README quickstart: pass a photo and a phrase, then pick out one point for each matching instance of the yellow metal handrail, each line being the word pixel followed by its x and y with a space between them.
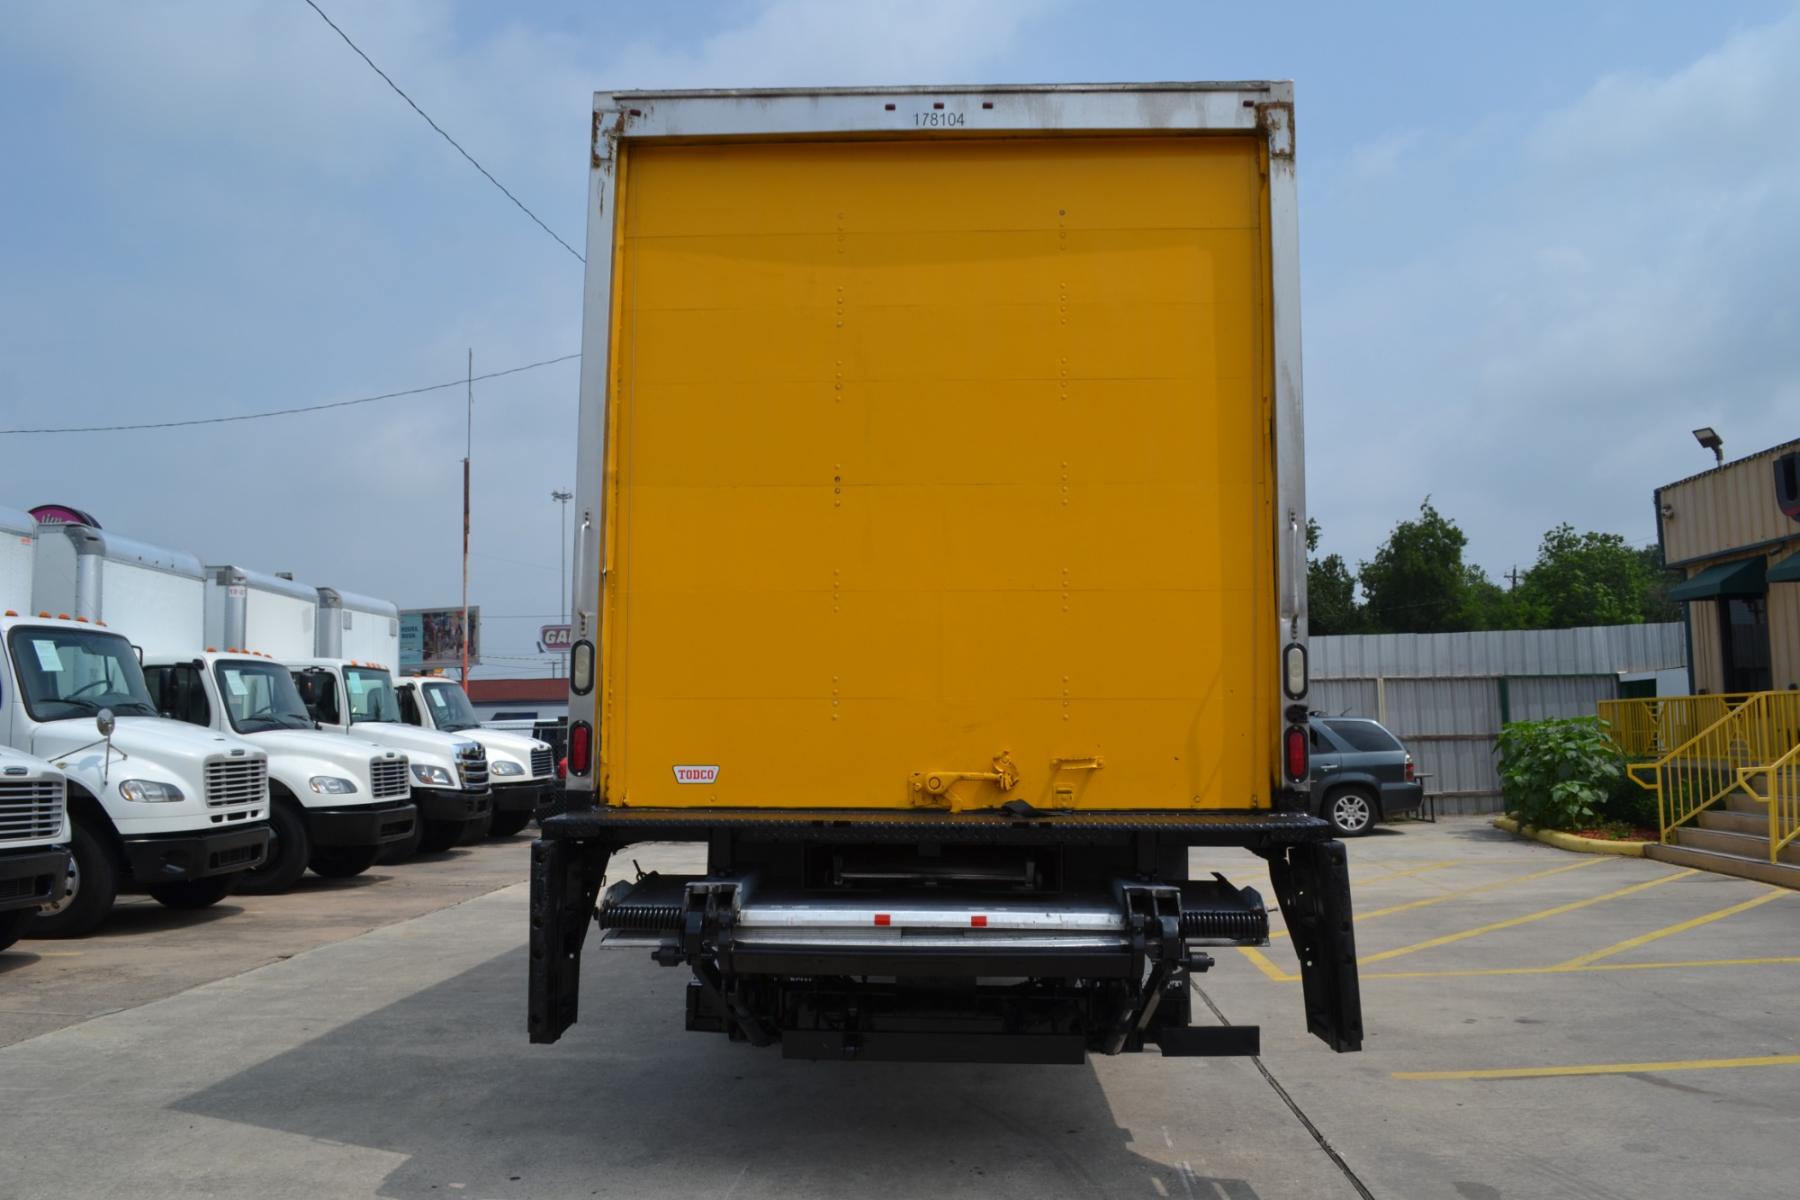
pixel 1701 771
pixel 1652 726
pixel 1781 792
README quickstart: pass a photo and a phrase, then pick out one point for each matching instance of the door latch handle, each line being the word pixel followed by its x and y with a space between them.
pixel 930 787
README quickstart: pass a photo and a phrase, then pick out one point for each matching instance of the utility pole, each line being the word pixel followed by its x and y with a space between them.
pixel 1512 577
pixel 468 452
pixel 562 498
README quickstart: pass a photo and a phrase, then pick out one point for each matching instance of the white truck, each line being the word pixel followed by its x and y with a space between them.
pixel 340 669
pixel 521 769
pixel 154 805
pixel 34 840
pixel 34 814
pixel 335 803
pixel 449 772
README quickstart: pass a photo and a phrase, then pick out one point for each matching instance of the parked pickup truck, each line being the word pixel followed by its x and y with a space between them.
pixel 940 567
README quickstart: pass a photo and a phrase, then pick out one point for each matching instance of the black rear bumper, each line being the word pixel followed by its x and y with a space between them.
pixel 365 825
pixel 32 878
pixel 837 1001
pixel 174 858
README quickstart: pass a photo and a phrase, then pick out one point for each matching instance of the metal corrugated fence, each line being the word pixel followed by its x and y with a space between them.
pixel 1446 695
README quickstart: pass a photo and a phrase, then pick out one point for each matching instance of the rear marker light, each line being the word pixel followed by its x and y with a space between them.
pixel 978 922
pixel 883 919
pixel 581 747
pixel 1296 752
pixel 1293 670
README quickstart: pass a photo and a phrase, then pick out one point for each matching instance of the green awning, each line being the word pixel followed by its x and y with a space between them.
pixel 1741 578
pixel 1787 570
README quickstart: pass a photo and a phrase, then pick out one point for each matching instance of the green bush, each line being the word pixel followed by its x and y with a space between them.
pixel 1631 803
pixel 1561 773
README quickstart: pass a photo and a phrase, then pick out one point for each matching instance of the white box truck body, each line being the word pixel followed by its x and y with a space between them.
pixel 357 627
pixel 18 547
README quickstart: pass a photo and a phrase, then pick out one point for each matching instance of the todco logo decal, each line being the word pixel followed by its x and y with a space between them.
pixel 696 774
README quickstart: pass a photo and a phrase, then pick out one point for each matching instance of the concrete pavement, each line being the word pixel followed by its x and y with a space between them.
pixel 394 1063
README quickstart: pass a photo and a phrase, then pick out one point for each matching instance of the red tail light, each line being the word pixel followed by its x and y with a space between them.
pixel 1409 769
pixel 1297 763
pixel 581 748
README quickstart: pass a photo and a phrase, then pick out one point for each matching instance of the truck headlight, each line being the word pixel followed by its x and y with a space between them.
pixel 148 791
pixel 432 776
pixel 332 785
pixel 500 766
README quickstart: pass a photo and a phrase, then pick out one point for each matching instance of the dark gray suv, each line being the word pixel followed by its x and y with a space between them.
pixel 1361 774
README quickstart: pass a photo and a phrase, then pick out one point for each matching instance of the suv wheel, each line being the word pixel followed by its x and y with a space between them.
pixel 1351 812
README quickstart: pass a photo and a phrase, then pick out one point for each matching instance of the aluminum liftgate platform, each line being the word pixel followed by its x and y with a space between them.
pixel 1014 975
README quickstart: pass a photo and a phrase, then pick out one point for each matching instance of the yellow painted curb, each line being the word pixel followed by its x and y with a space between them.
pixel 1569 841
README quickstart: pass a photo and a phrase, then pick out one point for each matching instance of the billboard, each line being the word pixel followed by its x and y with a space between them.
pixel 432 637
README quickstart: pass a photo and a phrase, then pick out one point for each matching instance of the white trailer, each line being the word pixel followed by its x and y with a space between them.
pixel 153 594
pixel 357 627
pixel 18 543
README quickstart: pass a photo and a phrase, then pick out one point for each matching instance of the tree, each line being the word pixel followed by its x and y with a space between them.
pixel 1417 581
pixel 1659 579
pixel 1587 579
pixel 1331 605
pixel 1489 606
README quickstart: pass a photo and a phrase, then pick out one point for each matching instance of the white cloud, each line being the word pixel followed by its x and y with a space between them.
pixel 263 223
pixel 1632 279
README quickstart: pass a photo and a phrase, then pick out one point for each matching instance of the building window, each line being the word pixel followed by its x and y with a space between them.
pixel 1744 641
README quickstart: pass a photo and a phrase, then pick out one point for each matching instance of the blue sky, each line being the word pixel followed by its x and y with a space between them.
pixel 1540 243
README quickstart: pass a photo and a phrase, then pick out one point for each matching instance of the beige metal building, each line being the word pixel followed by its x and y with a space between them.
pixel 1735 532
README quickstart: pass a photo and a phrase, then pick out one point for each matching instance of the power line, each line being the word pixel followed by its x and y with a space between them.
pixel 440 130
pixel 288 412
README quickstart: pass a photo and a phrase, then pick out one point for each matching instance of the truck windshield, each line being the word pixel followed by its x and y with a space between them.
pixel 260 696
pixel 72 672
pixel 450 708
pixel 371 695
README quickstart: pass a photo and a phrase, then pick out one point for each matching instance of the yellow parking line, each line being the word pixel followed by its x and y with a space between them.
pixel 1592 861
pixel 1437 866
pixel 1275 973
pixel 1510 922
pixel 1265 966
pixel 1691 1064
pixel 1476 972
pixel 1694 923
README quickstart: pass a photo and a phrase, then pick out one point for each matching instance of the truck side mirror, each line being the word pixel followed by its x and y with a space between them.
pixel 103 721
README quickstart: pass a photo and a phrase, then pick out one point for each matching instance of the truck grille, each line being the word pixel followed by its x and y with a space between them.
pixel 471 764
pixel 30 809
pixel 236 781
pixel 540 763
pixel 388 777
